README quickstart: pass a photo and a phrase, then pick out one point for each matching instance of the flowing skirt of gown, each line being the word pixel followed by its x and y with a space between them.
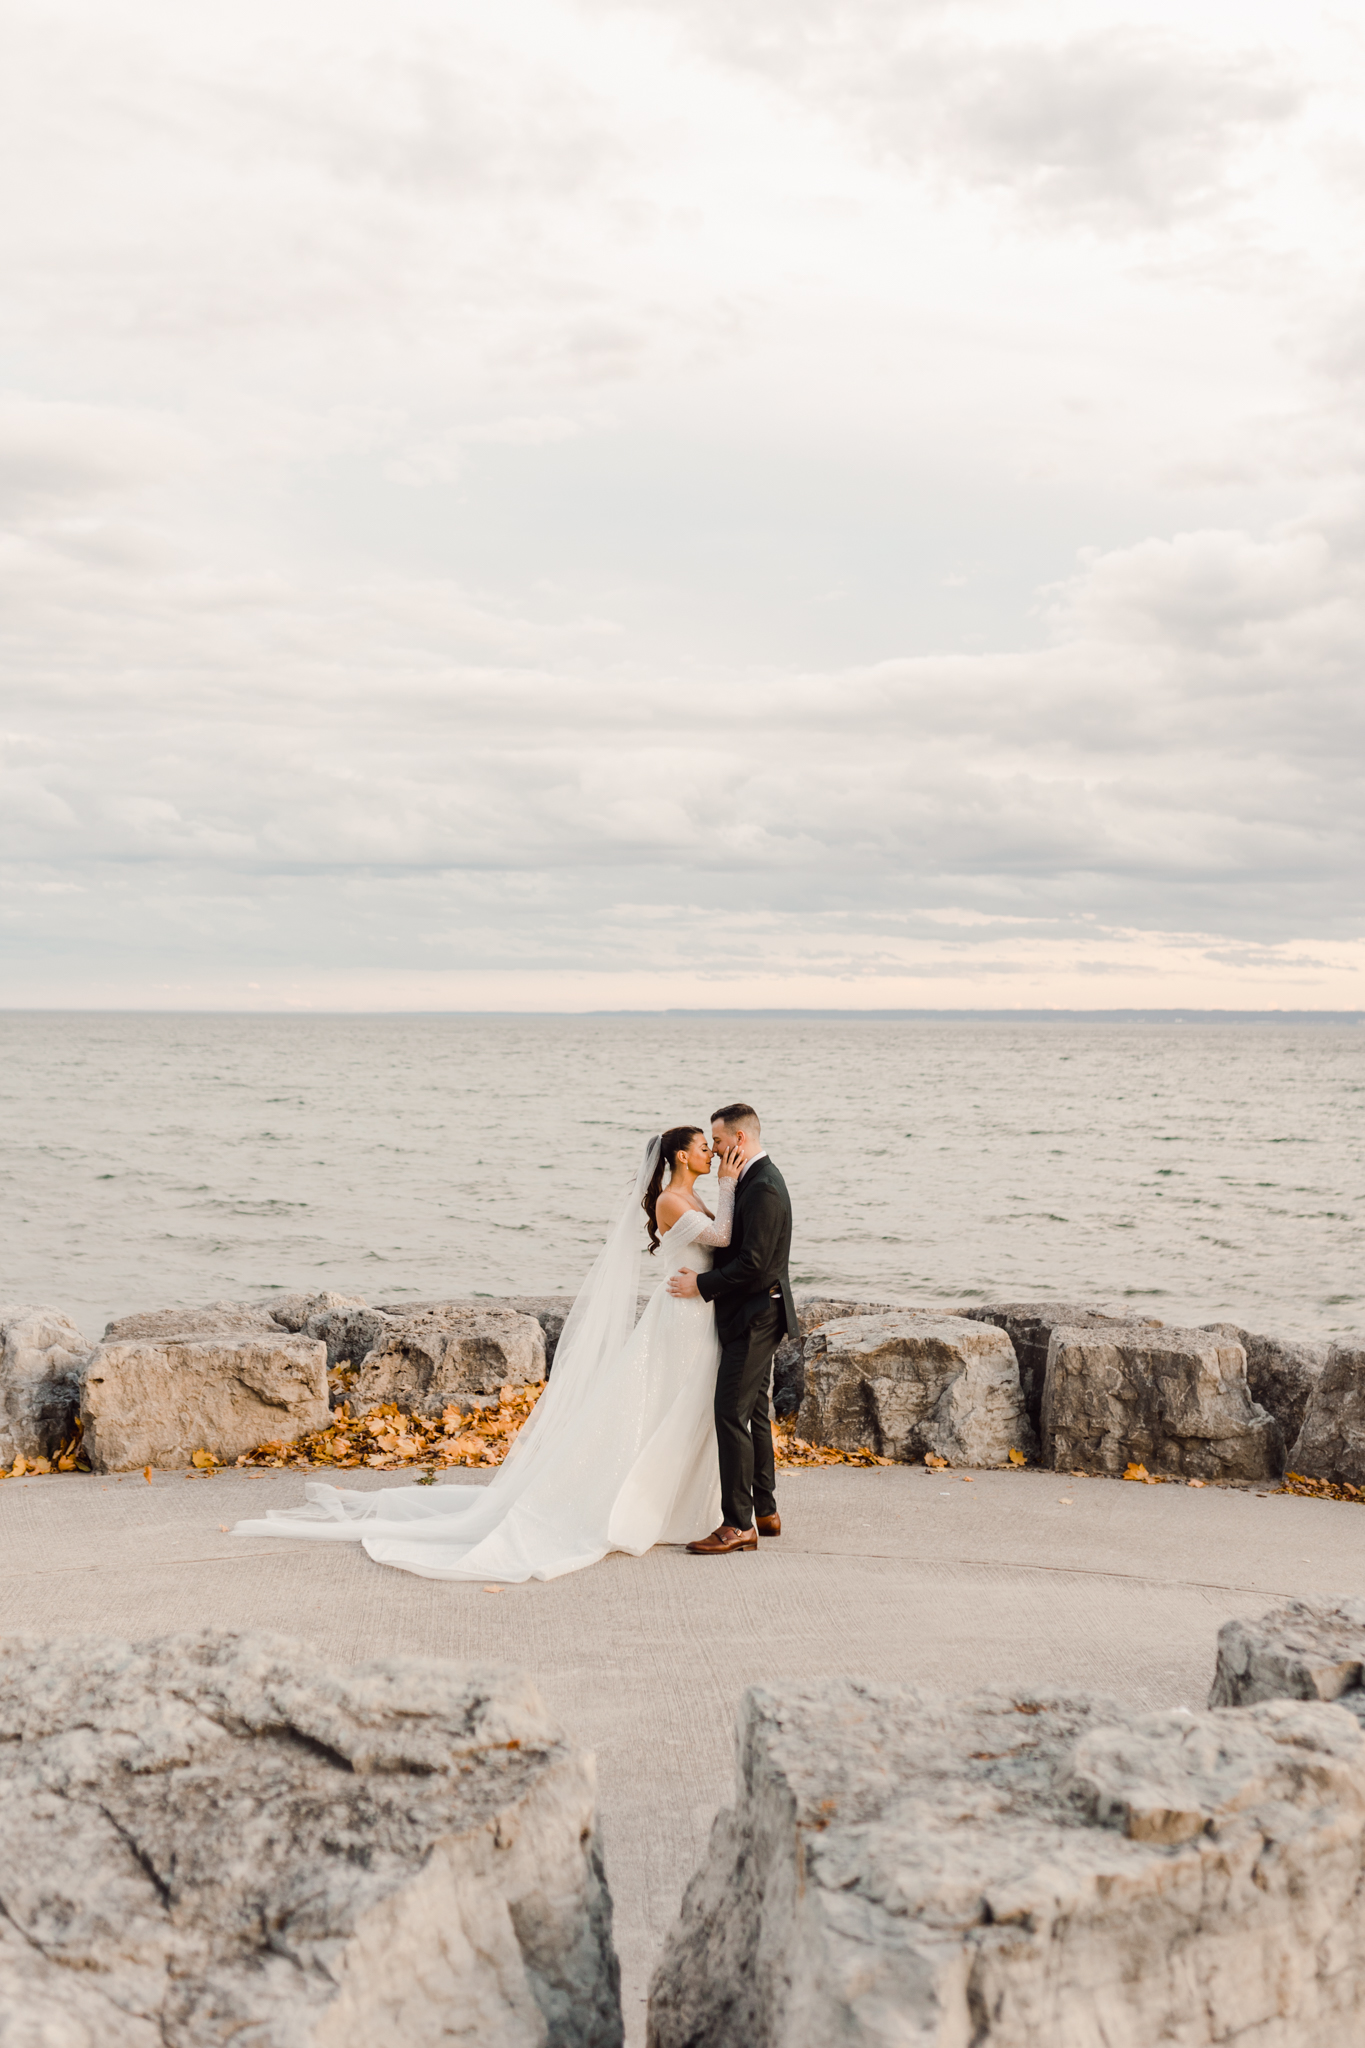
pixel 620 1463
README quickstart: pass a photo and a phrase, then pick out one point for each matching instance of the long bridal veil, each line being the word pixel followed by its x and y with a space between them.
pixel 618 1453
pixel 596 1328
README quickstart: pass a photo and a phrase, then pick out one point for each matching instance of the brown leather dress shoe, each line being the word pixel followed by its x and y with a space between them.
pixel 768 1525
pixel 723 1540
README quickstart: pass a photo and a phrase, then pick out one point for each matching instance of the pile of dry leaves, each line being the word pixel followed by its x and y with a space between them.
pixel 789 1449
pixel 1319 1489
pixel 70 1458
pixel 387 1438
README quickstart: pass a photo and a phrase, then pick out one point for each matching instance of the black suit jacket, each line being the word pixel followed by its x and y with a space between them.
pixel 741 1281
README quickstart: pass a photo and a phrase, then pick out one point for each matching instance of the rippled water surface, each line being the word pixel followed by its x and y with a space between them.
pixel 1199 1171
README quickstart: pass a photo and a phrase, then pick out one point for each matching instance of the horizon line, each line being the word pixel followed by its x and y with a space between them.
pixel 1131 1013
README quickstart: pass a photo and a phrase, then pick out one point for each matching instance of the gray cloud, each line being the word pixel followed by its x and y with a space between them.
pixel 616 503
pixel 1180 757
pixel 1123 126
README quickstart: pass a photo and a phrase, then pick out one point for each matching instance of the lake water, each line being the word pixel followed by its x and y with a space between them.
pixel 1196 1172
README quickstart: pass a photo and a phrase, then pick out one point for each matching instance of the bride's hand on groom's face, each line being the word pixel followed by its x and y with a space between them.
pixel 731 1159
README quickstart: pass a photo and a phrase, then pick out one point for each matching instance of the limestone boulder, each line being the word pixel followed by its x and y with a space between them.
pixel 213 1319
pixel 1331 1444
pixel 453 1354
pixel 912 1382
pixel 350 1332
pixel 295 1311
pixel 550 1311
pixel 219 1838
pixel 1029 1326
pixel 789 1360
pixel 42 1360
pixel 1022 1871
pixel 1300 1650
pixel 156 1402
pixel 1281 1372
pixel 1173 1400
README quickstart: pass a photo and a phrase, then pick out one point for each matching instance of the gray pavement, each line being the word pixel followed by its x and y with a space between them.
pixel 891 1573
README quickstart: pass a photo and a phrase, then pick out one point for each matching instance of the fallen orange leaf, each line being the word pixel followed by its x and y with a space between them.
pixel 147 1474
pixel 1136 1471
pixel 1017 1458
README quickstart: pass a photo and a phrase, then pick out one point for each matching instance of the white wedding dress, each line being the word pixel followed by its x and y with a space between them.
pixel 619 1453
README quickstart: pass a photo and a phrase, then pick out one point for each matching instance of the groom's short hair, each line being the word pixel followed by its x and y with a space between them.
pixel 737 1116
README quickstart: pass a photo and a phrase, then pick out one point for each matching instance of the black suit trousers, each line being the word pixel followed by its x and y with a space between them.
pixel 744 1434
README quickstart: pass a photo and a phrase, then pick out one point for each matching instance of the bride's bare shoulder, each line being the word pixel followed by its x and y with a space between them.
pixel 669 1207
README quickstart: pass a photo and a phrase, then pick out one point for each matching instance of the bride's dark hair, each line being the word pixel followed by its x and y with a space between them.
pixel 670 1145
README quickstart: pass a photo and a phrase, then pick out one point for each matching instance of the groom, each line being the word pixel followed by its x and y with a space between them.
pixel 750 1287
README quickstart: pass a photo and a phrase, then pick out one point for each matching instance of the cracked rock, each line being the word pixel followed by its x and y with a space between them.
pixel 1300 1650
pixel 1331 1444
pixel 1173 1400
pixel 150 1402
pixel 1025 1871
pixel 451 1353
pixel 216 1839
pixel 912 1381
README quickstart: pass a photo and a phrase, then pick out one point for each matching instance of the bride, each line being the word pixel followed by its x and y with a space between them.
pixel 619 1453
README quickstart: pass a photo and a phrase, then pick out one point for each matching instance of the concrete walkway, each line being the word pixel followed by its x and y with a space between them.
pixel 892 1574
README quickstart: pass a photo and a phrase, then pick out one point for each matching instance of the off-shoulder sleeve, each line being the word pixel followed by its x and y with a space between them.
pixel 718 1233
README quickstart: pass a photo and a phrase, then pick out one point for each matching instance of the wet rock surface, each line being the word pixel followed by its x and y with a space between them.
pixel 911 1382
pixel 1173 1400
pixel 158 1401
pixel 217 1838
pixel 1018 1871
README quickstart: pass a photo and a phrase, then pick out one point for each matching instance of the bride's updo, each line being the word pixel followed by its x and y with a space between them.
pixel 670 1145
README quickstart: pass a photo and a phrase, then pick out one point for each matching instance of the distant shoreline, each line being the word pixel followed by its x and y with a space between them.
pixel 1002 1016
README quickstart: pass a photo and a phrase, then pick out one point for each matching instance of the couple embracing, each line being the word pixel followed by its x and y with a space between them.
pixel 648 1432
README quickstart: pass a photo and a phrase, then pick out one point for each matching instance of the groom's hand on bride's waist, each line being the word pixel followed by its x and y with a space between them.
pixel 684 1284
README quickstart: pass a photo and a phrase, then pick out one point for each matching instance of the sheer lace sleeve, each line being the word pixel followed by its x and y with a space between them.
pixel 718 1233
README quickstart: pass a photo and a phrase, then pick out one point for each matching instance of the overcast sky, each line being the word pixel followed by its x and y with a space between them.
pixel 586 506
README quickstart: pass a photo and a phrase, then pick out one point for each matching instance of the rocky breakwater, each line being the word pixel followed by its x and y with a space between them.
pixel 910 1383
pixel 220 1380
pixel 217 1837
pixel 1025 1871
